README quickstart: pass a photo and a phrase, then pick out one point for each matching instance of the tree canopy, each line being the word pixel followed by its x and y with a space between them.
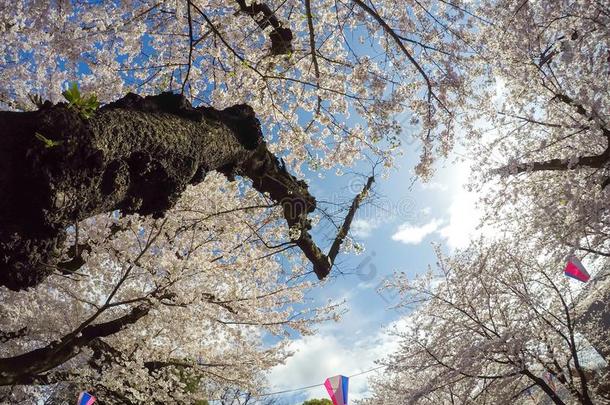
pixel 498 320
pixel 157 226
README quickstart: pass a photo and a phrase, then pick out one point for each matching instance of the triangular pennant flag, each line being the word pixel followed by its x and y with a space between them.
pixel 85 399
pixel 337 389
pixel 575 269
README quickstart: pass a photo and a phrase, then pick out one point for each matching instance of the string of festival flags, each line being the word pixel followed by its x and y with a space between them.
pixel 336 387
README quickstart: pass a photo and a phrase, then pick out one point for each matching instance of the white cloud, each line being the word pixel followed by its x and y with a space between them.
pixel 458 227
pixel 362 228
pixel 464 213
pixel 325 355
pixel 501 92
pixel 413 235
pixel 463 220
pixel 434 185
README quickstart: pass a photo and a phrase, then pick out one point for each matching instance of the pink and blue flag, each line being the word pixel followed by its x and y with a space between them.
pixel 337 389
pixel 85 399
pixel 575 269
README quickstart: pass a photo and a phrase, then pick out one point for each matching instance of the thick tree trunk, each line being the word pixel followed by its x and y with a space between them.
pixel 136 155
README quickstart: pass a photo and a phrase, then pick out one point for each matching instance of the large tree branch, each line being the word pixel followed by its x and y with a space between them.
pixel 595 162
pixel 136 155
pixel 269 175
pixel 21 368
pixel 580 109
pixel 347 223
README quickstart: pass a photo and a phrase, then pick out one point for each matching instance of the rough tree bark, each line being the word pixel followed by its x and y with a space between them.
pixel 136 155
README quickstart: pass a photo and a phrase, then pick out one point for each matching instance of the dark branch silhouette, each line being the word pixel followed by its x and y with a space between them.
pixel 280 36
pixel 19 369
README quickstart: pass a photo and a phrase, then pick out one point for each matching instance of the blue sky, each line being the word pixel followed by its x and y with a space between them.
pixel 397 236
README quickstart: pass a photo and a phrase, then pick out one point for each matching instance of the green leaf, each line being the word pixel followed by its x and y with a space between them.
pixel 85 105
pixel 72 94
pixel 48 143
pixel 88 105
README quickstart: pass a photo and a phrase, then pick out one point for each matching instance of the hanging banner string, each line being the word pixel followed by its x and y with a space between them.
pixel 306 387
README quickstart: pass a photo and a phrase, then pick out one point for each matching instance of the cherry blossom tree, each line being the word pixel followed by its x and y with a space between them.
pixel 296 65
pixel 151 223
pixel 540 134
pixel 496 323
pixel 502 316
pixel 140 234
pixel 163 310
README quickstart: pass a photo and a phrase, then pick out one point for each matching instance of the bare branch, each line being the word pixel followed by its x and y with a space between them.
pixel 6 336
pixel 595 161
pixel 334 249
pixel 191 46
pixel 312 45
